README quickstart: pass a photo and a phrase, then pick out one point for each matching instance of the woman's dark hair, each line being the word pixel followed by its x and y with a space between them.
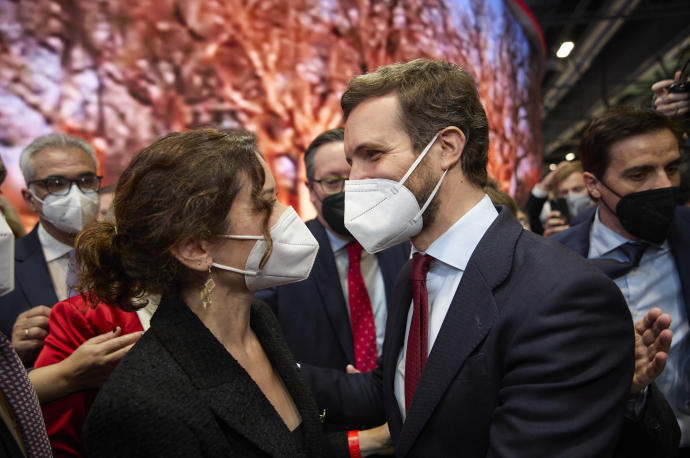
pixel 181 186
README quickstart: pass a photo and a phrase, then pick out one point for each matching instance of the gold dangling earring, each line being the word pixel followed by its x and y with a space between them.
pixel 207 290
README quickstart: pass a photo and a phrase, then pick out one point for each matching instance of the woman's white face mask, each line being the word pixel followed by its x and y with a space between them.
pixel 292 257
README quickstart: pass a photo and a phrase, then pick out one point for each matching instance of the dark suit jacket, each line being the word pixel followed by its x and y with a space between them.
pixel 313 313
pixel 656 432
pixel 521 367
pixel 32 283
pixel 178 392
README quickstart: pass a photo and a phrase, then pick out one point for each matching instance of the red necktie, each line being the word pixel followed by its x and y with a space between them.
pixel 418 338
pixel 361 314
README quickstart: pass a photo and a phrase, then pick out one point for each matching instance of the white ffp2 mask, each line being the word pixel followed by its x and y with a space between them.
pixel 72 212
pixel 292 257
pixel 381 213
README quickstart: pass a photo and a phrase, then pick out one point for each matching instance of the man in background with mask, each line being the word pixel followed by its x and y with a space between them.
pixel 497 340
pixel 641 239
pixel 62 188
pixel 566 182
pixel 337 316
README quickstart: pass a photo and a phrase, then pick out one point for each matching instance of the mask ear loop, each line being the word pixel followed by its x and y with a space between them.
pixel 418 160
pixel 431 196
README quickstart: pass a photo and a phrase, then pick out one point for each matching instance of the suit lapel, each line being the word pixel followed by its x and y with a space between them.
pixel 31 272
pixel 389 263
pixel 678 241
pixel 225 387
pixel 327 282
pixel 392 345
pixel 471 316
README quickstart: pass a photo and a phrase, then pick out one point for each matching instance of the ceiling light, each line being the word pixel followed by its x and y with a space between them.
pixel 552 166
pixel 570 156
pixel 565 49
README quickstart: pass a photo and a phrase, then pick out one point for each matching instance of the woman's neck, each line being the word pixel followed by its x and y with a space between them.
pixel 227 316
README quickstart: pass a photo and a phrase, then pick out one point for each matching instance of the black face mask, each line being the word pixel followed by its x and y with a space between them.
pixel 647 215
pixel 333 210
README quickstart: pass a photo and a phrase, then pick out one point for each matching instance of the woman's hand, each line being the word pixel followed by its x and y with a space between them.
pixel 88 367
pixel 376 441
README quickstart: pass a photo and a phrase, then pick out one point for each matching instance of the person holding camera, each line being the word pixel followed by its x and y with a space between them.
pixel 559 198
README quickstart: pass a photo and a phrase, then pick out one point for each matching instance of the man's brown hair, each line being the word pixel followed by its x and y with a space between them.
pixel 614 125
pixel 433 94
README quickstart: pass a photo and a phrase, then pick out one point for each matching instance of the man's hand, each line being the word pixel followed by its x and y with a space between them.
pixel 555 223
pixel 91 364
pixel 547 182
pixel 670 103
pixel 652 342
pixel 28 332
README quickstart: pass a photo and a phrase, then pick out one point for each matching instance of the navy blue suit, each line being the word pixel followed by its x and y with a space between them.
pixel 313 314
pixel 656 431
pixel 32 283
pixel 521 366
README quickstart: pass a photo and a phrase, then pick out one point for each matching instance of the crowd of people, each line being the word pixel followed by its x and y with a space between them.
pixel 420 313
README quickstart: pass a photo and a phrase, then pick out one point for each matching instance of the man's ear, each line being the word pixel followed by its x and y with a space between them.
pixel 592 182
pixel 193 253
pixel 452 142
pixel 30 201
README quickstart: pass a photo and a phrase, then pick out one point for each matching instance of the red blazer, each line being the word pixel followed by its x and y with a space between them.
pixel 72 323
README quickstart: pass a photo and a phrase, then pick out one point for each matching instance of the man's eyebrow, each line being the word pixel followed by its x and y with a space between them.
pixel 638 169
pixel 674 162
pixel 370 145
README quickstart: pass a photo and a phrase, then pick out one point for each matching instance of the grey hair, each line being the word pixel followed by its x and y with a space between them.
pixel 51 141
pixel 330 136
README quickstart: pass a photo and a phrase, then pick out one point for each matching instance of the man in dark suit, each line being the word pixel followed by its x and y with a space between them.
pixel 62 189
pixel 498 340
pixel 631 158
pixel 315 314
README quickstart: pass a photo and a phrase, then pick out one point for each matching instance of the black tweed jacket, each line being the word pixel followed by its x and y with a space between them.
pixel 178 392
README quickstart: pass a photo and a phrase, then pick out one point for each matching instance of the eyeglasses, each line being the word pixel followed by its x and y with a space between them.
pixel 331 185
pixel 60 185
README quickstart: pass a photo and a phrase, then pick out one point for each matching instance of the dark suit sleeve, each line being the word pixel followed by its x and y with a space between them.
pixel 533 210
pixel 270 297
pixel 654 433
pixel 347 398
pixel 567 374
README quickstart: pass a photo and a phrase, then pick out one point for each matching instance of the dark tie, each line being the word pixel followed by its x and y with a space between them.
pixel 614 268
pixel 21 397
pixel 418 338
pixel 361 314
pixel 72 276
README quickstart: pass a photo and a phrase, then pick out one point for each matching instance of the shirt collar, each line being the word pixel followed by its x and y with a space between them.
pixel 455 246
pixel 603 240
pixel 52 248
pixel 336 242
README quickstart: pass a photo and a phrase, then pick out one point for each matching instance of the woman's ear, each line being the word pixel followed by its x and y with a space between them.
pixel 193 253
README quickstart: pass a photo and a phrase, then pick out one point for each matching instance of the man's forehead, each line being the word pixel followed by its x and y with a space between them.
pixel 652 147
pixel 65 161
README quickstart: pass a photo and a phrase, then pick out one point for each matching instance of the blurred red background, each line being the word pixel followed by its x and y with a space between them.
pixel 122 73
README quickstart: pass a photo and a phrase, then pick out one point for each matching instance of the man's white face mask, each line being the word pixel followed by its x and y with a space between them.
pixel 72 212
pixel 292 257
pixel 381 213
